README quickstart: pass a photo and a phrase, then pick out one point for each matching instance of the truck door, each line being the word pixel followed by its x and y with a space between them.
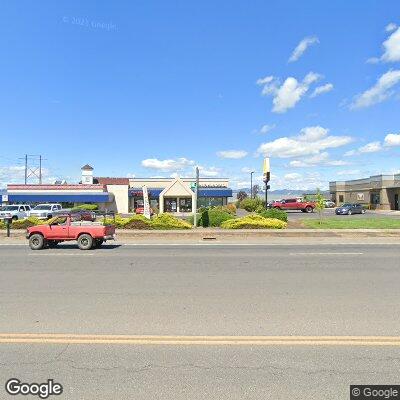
pixel 58 229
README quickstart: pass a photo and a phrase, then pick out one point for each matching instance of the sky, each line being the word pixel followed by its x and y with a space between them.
pixel 154 88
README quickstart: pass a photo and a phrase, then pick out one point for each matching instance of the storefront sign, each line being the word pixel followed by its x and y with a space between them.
pixel 360 196
pixel 146 204
pixel 4 198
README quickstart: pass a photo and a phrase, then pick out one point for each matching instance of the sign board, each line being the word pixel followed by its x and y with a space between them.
pixel 4 198
pixel 360 196
pixel 266 170
pixel 193 186
pixel 146 203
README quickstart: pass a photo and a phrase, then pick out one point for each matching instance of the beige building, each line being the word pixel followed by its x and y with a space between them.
pixel 377 192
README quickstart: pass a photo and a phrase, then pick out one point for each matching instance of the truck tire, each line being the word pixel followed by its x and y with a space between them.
pixel 36 241
pixel 14 218
pixel 85 241
pixel 309 209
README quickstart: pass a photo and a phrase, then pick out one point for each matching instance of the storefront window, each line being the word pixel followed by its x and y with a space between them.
pixel 185 205
pixel 210 201
pixel 170 204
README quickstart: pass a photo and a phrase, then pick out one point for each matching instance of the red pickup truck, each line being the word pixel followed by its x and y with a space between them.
pixel 294 204
pixel 65 228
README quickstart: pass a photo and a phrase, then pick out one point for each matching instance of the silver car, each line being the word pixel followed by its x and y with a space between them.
pixel 45 211
pixel 15 211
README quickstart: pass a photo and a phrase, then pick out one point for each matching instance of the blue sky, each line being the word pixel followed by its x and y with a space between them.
pixel 154 88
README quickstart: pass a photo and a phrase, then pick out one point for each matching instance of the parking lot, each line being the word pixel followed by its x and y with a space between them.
pixel 330 212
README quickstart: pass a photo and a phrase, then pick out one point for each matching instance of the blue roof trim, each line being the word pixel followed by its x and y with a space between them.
pixel 60 198
pixel 215 192
pixel 153 192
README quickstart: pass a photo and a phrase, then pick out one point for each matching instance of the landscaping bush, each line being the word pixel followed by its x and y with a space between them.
pixel 274 213
pixel 27 223
pixel 88 207
pixel 214 217
pixel 231 208
pixel 168 221
pixel 138 222
pixel 251 204
pixel 2 225
pixel 254 221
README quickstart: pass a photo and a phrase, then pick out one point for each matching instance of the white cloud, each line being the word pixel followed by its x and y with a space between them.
pixel 350 153
pixel 379 92
pixel 390 27
pixel 302 47
pixel 322 89
pixel 246 170
pixel 293 176
pixel 16 174
pixel 392 47
pixel 311 141
pixel 349 172
pixel 392 139
pixel 235 154
pixel 373 60
pixel 288 94
pixel 266 128
pixel 319 159
pixel 167 165
pixel 209 172
pixel 372 147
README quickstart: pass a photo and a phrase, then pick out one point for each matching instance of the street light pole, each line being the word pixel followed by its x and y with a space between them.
pixel 267 177
pixel 251 184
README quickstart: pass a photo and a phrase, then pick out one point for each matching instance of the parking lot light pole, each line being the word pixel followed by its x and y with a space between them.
pixel 266 179
pixel 251 184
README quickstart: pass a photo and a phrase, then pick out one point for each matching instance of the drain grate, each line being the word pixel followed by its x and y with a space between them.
pixel 209 238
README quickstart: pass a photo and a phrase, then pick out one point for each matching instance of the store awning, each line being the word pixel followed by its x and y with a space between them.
pixel 60 197
pixel 215 192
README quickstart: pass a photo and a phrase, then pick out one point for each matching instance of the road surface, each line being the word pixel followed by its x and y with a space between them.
pixel 201 321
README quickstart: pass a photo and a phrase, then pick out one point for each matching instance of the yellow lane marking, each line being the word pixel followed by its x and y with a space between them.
pixel 34 338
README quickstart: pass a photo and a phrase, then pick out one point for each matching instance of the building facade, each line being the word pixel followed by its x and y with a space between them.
pixel 376 192
pixel 124 195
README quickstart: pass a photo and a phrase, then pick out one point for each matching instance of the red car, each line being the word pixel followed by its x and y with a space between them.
pixel 66 228
pixel 294 204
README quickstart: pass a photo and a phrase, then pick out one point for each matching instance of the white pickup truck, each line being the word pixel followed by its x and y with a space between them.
pixel 45 211
pixel 15 212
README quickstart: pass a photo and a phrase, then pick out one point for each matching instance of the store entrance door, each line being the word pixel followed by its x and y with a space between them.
pixel 170 204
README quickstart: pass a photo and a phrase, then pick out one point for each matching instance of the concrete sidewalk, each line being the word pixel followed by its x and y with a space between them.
pixel 240 236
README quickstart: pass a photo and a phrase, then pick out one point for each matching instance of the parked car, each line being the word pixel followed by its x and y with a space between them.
pixel 45 211
pixel 15 212
pixel 349 209
pixel 329 204
pixel 294 204
pixel 66 228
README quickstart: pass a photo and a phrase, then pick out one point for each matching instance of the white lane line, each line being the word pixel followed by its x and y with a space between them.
pixel 326 254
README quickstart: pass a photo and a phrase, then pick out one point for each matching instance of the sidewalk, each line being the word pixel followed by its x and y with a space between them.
pixel 236 236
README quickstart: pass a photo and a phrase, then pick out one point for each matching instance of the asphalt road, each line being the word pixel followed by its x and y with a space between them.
pixel 246 295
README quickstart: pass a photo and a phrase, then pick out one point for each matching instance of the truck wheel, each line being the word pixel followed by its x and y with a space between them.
pixel 309 209
pixel 85 242
pixel 36 242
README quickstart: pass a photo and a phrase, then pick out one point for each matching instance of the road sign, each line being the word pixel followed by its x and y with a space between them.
pixel 4 198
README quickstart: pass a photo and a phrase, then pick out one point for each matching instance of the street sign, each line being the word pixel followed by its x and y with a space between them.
pixel 4 198
pixel 193 186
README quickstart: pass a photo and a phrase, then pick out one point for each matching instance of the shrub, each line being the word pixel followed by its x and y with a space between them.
pixel 138 222
pixel 27 223
pixel 88 207
pixel 254 222
pixel 214 217
pixel 251 204
pixel 2 225
pixel 274 213
pixel 118 222
pixel 168 221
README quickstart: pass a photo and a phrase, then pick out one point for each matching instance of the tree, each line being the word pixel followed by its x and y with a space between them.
pixel 241 195
pixel 256 190
pixel 319 204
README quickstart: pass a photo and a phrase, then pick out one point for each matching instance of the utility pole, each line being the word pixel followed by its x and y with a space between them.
pixel 251 184
pixel 26 168
pixel 196 195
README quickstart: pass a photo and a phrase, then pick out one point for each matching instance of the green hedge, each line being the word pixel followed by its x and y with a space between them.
pixel 214 218
pixel 274 213
pixel 23 223
pixel 88 207
pixel 254 222
pixel 251 205
pixel 168 221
